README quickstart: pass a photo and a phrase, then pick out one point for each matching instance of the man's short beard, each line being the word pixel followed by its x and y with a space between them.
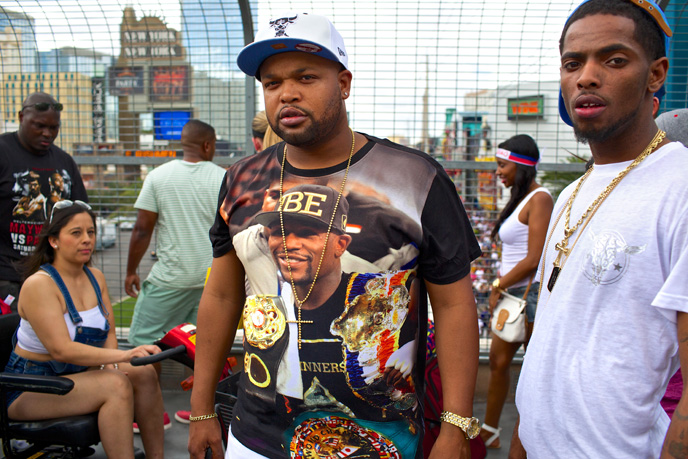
pixel 604 134
pixel 317 131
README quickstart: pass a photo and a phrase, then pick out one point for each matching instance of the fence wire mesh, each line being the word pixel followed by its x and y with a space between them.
pixel 452 78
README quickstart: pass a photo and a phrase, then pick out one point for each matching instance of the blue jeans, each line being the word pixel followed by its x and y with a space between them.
pixel 21 365
pixel 531 299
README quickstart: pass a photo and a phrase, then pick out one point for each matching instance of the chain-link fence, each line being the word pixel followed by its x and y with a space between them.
pixel 450 78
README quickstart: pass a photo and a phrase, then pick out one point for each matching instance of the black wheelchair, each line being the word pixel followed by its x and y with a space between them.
pixel 68 437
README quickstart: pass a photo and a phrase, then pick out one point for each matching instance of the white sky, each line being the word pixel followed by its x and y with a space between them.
pixel 468 45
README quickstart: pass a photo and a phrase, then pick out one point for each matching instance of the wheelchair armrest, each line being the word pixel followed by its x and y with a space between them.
pixel 35 383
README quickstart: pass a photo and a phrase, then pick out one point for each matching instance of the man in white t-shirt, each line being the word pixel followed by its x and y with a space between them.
pixel 611 323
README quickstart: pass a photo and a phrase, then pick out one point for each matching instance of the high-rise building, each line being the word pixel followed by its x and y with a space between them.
pixel 18 50
pixel 70 59
pixel 677 80
pixel 213 34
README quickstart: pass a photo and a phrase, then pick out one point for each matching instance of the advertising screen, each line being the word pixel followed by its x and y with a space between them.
pixel 168 125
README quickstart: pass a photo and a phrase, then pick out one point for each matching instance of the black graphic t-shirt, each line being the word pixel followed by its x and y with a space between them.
pixel 29 187
pixel 349 384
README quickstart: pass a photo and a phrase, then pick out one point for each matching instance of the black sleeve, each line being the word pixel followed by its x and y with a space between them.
pixel 78 188
pixel 449 244
pixel 219 232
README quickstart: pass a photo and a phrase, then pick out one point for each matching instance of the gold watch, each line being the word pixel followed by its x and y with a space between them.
pixel 495 284
pixel 470 426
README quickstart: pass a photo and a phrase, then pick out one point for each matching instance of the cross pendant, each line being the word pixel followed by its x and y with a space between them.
pixel 298 323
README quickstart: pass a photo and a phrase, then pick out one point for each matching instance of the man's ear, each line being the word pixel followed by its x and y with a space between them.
pixel 658 74
pixel 343 242
pixel 345 77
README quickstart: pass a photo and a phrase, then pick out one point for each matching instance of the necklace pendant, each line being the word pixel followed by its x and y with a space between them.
pixel 553 277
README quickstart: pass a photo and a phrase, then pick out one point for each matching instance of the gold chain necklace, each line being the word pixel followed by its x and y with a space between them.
pixel 299 302
pixel 562 247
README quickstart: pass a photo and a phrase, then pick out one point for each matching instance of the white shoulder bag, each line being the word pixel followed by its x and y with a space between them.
pixel 509 317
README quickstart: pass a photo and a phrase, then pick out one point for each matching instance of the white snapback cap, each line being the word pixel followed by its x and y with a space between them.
pixel 307 33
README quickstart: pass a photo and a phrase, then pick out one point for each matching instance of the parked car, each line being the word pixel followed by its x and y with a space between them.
pixel 123 222
pixel 106 236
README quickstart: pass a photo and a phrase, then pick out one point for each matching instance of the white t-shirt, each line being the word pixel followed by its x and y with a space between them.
pixel 605 345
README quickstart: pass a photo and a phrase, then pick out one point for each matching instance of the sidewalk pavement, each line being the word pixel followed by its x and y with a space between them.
pixel 177 436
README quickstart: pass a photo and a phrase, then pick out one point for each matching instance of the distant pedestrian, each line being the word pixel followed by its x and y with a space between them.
pixel 178 199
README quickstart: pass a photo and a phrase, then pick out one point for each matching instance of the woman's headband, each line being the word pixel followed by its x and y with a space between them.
pixel 515 157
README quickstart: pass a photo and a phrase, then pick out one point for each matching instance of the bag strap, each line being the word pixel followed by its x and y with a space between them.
pixel 530 282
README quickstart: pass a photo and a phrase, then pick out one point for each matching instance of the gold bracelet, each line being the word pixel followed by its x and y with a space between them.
pixel 202 417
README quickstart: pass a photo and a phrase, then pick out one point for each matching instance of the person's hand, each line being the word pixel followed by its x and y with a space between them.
pixel 141 351
pixel 495 295
pixel 130 282
pixel 203 435
pixel 454 446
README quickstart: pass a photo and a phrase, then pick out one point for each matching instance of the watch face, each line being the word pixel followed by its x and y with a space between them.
pixel 473 428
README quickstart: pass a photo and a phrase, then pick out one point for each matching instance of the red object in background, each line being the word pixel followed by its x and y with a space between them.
pixel 185 334
pixel 433 408
pixel 4 308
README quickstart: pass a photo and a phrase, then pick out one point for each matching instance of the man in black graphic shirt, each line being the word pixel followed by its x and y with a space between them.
pixel 30 165
pixel 357 391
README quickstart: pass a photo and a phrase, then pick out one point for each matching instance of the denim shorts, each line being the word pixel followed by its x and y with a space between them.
pixel 531 299
pixel 21 365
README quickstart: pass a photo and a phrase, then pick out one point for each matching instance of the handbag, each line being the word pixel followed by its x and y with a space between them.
pixel 509 317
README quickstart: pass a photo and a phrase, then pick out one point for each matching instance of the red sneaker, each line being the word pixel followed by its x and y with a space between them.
pixel 166 423
pixel 182 416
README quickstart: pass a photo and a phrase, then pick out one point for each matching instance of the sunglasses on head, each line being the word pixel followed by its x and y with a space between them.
pixel 44 106
pixel 67 203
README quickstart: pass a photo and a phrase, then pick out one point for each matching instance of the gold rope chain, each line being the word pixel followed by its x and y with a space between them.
pixel 659 137
pixel 300 302
pixel 562 247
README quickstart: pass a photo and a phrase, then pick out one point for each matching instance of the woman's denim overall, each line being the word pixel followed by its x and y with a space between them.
pixel 84 335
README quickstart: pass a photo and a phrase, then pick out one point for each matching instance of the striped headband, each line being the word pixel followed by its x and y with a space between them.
pixel 515 157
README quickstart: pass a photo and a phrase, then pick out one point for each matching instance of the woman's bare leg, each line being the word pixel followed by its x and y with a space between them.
pixel 109 392
pixel 148 408
pixel 501 355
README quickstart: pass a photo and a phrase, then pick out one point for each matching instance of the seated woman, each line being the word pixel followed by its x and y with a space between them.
pixel 67 328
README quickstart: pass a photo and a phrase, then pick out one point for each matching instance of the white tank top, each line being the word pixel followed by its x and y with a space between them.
pixel 27 339
pixel 514 236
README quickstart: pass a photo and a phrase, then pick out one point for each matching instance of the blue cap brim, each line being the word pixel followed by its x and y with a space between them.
pixel 252 56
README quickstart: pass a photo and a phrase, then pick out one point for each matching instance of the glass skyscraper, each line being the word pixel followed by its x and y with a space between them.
pixel 213 34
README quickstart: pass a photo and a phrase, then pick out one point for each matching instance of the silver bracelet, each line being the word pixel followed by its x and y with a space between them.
pixel 102 367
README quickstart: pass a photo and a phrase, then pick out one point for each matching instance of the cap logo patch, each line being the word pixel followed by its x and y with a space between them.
pixel 280 25
pixel 308 48
pixel 303 203
pixel 278 46
pixel 341 53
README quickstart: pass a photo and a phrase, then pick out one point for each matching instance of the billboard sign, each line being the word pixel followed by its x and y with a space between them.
pixel 531 107
pixel 169 83
pixel 98 92
pixel 125 81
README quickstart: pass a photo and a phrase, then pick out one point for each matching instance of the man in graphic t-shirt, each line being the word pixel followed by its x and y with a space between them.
pixel 30 168
pixel 338 370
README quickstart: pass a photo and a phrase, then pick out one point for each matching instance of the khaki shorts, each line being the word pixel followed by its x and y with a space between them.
pixel 160 309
